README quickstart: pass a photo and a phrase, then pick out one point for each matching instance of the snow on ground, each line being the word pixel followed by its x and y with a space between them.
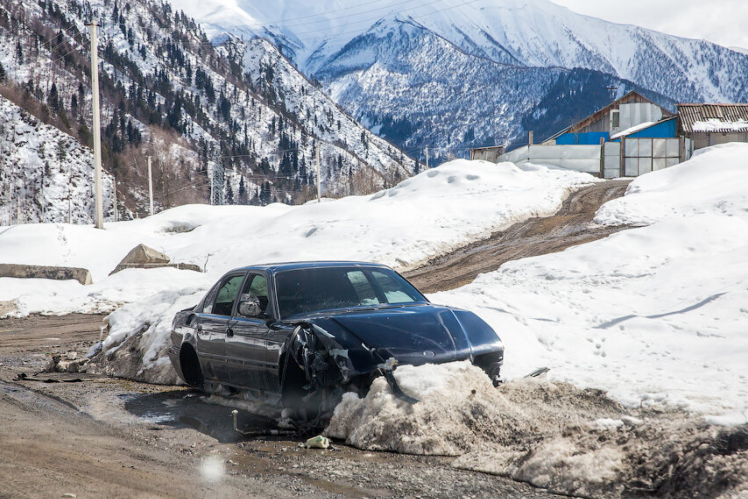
pixel 423 216
pixel 653 315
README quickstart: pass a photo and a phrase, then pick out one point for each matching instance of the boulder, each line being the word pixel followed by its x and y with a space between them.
pixel 143 257
pixel 142 254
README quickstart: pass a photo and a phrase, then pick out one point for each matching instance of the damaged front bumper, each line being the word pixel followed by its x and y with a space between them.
pixel 329 367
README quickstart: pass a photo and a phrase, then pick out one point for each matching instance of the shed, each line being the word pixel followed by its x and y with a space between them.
pixel 712 124
pixel 631 110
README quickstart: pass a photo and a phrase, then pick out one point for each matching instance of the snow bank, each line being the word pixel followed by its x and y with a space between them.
pixel 713 182
pixel 550 434
pixel 634 327
pixel 655 315
pixel 423 216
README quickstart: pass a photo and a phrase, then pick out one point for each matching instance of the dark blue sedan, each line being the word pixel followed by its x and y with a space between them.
pixel 301 334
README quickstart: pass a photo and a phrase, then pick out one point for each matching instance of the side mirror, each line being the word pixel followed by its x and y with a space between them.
pixel 249 306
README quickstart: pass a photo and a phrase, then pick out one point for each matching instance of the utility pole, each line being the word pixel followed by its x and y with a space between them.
pixel 10 202
pixel 96 127
pixel 319 182
pixel 114 190
pixel 211 186
pixel 427 157
pixel 44 203
pixel 150 184
pixel 612 89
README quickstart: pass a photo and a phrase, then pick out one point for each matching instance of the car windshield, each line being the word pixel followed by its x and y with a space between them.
pixel 310 290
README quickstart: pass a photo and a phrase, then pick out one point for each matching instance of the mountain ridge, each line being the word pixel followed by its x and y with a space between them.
pixel 521 34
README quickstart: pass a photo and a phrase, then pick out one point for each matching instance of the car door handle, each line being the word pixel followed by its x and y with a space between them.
pixel 199 329
pixel 229 332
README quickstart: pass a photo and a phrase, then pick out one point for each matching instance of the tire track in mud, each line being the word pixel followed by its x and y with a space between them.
pixel 570 226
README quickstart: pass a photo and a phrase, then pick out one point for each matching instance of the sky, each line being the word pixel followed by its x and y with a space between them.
pixel 719 21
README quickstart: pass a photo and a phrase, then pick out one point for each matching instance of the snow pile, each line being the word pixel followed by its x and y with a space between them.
pixel 713 182
pixel 549 434
pixel 419 218
pixel 136 345
pixel 655 315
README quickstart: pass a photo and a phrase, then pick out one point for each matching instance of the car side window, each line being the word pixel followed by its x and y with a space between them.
pixel 257 286
pixel 227 294
pixel 209 299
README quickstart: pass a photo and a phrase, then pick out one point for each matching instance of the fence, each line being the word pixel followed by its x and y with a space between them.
pixel 573 157
pixel 640 156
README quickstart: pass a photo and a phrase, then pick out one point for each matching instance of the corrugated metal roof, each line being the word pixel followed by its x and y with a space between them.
pixel 689 114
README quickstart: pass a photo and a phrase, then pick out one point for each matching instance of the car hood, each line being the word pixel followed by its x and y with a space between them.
pixel 411 334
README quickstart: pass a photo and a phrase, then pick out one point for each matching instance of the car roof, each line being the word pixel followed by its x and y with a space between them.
pixel 280 267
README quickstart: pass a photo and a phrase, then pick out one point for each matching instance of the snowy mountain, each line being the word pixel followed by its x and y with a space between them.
pixel 215 124
pixel 450 73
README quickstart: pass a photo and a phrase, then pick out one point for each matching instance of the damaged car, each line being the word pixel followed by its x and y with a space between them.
pixel 299 335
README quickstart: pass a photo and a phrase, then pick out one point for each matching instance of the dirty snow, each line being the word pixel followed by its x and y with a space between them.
pixel 546 433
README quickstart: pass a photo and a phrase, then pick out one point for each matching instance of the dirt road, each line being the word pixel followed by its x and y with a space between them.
pixel 94 437
pixel 570 226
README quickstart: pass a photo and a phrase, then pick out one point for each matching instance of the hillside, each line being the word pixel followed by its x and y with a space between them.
pixel 45 174
pixel 203 116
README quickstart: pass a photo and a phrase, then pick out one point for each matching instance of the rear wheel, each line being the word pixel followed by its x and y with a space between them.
pixel 190 365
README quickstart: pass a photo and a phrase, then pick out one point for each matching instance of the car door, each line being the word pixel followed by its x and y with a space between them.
pixel 213 325
pixel 247 339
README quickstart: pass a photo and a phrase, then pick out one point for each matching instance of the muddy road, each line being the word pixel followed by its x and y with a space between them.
pixel 95 436
pixel 570 226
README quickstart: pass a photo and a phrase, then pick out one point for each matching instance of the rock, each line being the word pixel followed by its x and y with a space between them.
pixel 19 271
pixel 143 257
pixel 141 254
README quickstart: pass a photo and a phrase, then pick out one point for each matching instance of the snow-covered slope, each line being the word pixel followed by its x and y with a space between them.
pixel 45 174
pixel 251 128
pixel 653 315
pixel 363 52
